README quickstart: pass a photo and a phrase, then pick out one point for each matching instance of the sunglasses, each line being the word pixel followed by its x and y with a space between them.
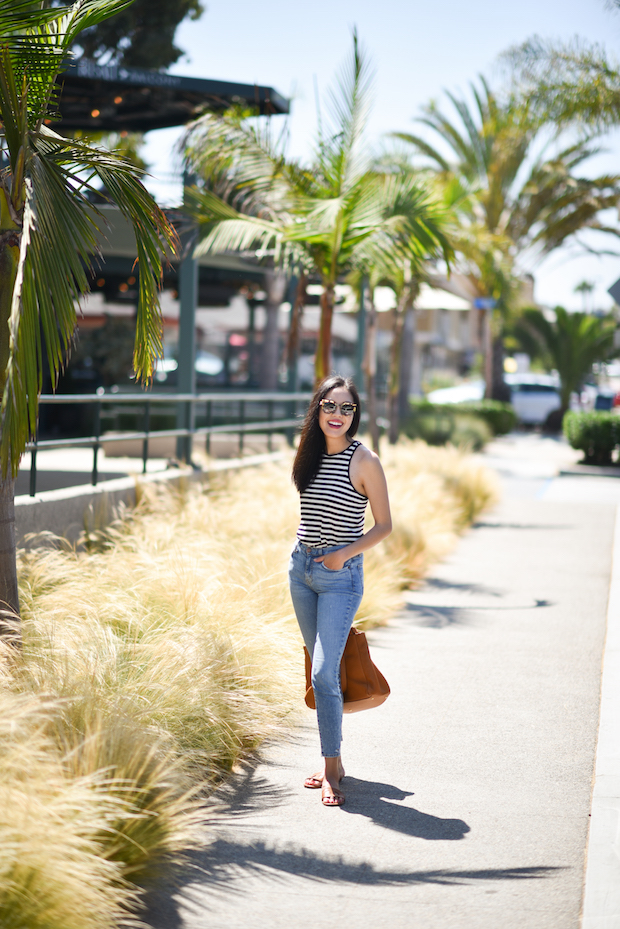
pixel 330 406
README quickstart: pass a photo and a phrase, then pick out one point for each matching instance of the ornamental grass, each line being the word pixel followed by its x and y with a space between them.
pixel 157 655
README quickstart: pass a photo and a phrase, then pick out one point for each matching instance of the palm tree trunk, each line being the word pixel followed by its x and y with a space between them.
pixel 408 357
pixel 294 332
pixel 499 388
pixel 323 360
pixel 275 282
pixel 9 596
pixel 496 388
pixel 401 357
pixel 371 374
pixel 398 320
pixel 487 351
pixel 9 257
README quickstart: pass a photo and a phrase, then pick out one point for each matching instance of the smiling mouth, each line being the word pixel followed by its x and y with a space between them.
pixel 334 424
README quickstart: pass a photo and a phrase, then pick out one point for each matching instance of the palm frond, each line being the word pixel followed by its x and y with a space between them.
pixel 18 15
pixel 423 147
pixel 568 82
pixel 60 234
pixel 341 155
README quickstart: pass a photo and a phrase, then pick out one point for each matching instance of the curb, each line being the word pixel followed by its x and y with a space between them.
pixel 591 470
pixel 601 907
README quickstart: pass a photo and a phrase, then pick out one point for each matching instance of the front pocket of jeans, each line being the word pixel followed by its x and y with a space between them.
pixel 332 570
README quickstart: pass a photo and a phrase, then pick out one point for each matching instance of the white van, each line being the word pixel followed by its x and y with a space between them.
pixel 534 396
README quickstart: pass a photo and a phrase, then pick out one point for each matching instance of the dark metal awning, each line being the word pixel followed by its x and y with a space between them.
pixel 113 98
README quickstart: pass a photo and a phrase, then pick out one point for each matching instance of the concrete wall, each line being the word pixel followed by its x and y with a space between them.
pixel 69 511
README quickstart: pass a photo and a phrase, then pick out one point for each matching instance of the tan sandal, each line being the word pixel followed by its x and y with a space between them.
pixel 313 782
pixel 335 798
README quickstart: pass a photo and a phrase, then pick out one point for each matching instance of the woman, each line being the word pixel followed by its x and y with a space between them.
pixel 336 476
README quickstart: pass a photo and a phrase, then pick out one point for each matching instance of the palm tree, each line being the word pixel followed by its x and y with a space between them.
pixel 518 200
pixel 585 288
pixel 403 269
pixel 571 344
pixel 569 83
pixel 330 217
pixel 49 231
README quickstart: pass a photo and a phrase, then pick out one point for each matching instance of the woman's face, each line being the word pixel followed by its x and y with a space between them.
pixel 336 424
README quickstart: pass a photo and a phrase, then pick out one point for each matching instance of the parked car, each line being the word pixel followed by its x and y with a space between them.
pixel 462 393
pixel 534 396
pixel 606 400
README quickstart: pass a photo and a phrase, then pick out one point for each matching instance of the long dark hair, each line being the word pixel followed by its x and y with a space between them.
pixel 312 442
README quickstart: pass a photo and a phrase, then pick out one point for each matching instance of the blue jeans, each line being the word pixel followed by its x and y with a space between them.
pixel 325 604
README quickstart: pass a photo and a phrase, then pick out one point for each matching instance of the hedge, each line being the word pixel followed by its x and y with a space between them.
pixel 499 417
pixel 596 434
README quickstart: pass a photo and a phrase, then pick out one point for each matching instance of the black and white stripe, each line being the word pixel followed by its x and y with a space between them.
pixel 332 510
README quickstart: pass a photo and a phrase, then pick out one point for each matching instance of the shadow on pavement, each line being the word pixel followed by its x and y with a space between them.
pixel 218 872
pixel 481 524
pixel 436 583
pixel 247 792
pixel 440 617
pixel 370 799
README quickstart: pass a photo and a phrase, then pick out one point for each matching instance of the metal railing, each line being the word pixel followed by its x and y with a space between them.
pixel 238 402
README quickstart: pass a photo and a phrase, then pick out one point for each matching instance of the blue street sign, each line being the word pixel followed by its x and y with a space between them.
pixel 485 303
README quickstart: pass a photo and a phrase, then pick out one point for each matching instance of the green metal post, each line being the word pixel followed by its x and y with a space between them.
pixel 33 472
pixel 293 367
pixel 95 474
pixel 251 343
pixel 209 424
pixel 186 379
pixel 361 335
pixel 241 423
pixel 145 441
pixel 291 296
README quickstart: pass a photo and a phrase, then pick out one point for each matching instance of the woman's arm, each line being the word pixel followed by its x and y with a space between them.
pixel 368 478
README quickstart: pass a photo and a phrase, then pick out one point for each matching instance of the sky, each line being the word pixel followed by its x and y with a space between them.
pixel 418 50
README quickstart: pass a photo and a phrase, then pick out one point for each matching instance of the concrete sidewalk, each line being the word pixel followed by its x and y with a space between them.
pixel 469 792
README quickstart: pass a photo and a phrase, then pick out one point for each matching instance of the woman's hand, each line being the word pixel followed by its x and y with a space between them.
pixel 333 561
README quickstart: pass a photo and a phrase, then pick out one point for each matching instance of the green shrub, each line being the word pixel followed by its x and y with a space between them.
pixel 499 417
pixel 470 432
pixel 442 424
pixel 596 434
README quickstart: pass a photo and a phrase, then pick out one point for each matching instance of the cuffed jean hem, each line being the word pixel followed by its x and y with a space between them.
pixel 325 604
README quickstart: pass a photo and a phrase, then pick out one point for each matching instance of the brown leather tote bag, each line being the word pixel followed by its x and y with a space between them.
pixel 363 685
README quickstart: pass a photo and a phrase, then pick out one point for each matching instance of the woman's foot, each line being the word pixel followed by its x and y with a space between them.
pixel 331 795
pixel 315 781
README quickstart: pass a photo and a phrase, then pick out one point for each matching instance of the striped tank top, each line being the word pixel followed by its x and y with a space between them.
pixel 332 510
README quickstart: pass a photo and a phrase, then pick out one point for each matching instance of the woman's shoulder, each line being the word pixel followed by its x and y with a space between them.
pixel 365 456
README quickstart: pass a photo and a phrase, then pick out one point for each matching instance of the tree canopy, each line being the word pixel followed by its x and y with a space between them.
pixel 140 36
pixel 570 343
pixel 568 83
pixel 50 230
pixel 331 216
pixel 521 192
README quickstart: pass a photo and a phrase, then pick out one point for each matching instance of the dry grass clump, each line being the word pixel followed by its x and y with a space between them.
pixel 157 656
pixel 52 872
